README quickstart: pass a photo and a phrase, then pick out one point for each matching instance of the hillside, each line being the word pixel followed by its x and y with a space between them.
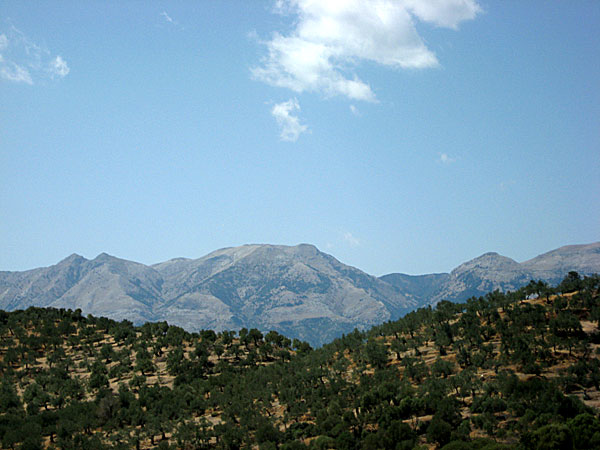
pixel 501 371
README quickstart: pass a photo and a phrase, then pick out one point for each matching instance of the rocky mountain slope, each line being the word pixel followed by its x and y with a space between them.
pixel 492 271
pixel 298 291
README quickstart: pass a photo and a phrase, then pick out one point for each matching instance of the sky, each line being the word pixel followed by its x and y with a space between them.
pixel 396 135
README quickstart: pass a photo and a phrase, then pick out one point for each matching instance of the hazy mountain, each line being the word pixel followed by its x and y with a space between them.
pixel 106 286
pixel 39 287
pixel 492 271
pixel 554 265
pixel 420 287
pixel 298 291
pixel 115 288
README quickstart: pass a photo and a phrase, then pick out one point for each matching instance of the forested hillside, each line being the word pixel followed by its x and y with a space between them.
pixel 514 370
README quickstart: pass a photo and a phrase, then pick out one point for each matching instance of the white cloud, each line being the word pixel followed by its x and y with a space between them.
pixel 330 38
pixel 170 21
pixel 350 239
pixel 13 72
pixel 167 17
pixel 443 13
pixel 354 110
pixel 23 61
pixel 290 125
pixel 59 67
pixel 445 158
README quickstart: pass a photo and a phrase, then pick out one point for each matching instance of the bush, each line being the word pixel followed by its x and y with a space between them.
pixel 439 431
pixel 323 443
pixel 457 445
pixel 399 436
pixel 586 431
pixel 553 437
pixel 293 445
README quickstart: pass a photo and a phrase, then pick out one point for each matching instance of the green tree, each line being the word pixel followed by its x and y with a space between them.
pixel 376 353
pixel 439 431
pixel 553 437
pixel 585 429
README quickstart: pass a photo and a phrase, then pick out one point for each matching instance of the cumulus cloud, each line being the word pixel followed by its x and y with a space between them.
pixel 290 125
pixel 59 67
pixel 23 61
pixel 330 39
pixel 443 13
pixel 354 110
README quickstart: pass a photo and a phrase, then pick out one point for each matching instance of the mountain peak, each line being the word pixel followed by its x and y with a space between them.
pixel 488 261
pixel 555 263
pixel 73 258
pixel 307 248
pixel 489 255
pixel 104 257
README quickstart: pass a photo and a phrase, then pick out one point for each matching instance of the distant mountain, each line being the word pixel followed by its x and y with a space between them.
pixel 555 264
pixel 492 271
pixel 298 291
pixel 104 286
pixel 419 287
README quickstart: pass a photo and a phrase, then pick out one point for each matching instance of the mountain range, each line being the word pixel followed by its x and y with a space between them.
pixel 298 290
pixel 492 271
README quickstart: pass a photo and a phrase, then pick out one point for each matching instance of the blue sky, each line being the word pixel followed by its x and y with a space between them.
pixel 398 136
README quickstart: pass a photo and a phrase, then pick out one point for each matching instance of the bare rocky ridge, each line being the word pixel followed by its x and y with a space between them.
pixel 298 291
pixel 492 271
pixel 553 265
